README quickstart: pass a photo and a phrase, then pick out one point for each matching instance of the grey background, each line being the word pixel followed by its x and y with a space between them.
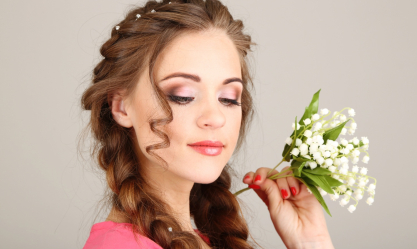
pixel 362 54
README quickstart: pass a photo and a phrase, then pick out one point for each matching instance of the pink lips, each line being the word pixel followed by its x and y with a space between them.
pixel 207 147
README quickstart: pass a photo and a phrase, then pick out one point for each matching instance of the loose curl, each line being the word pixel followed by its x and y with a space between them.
pixel 132 47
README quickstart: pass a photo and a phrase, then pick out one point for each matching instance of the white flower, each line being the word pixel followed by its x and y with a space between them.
pixel 315 117
pixel 318 126
pixel 307 156
pixel 355 160
pixel 309 141
pixel 351 112
pixel 355 141
pixel 344 142
pixel 313 149
pixel 322 192
pixel 313 165
pixel 355 169
pixel 295 152
pixel 320 160
pixel 332 169
pixel 337 161
pixel 334 197
pixel 345 151
pixel 356 152
pixel 303 147
pixel 370 200
pixel 351 181
pixel 351 131
pixel 323 148
pixel 324 111
pixel 293 126
pixel 316 155
pixel 304 153
pixel 342 188
pixel 371 192
pixel 354 126
pixel 345 166
pixel 343 132
pixel 298 142
pixel 364 171
pixel 365 140
pixel 365 159
pixel 348 193
pixel 366 146
pixel 343 202
pixel 349 147
pixel 326 154
pixel 335 176
pixel 351 208
pixel 308 133
pixel 334 155
pixel 343 171
pixel 288 140
pixel 371 187
pixel 343 159
pixel 329 162
pixel 307 121
pixel 342 118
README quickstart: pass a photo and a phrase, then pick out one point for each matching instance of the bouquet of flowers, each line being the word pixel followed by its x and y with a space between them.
pixel 322 163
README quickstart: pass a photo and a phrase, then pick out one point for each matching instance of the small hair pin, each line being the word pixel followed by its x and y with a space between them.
pixel 152 11
pixel 169 3
pixel 117 27
pixel 170 229
pixel 137 16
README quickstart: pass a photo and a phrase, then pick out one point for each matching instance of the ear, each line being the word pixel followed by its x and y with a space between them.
pixel 118 105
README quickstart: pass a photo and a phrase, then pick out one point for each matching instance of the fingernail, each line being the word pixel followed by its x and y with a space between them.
pixel 247 177
pixel 293 191
pixel 258 178
pixel 284 193
pixel 254 186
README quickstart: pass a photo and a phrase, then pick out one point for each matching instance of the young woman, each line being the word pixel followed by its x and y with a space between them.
pixel 170 103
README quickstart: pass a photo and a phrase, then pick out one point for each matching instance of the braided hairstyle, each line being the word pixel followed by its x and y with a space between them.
pixel 134 45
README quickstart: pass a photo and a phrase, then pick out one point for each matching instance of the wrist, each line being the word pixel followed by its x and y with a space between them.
pixel 324 243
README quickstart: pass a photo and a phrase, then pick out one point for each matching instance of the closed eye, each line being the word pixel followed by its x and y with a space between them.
pixel 186 100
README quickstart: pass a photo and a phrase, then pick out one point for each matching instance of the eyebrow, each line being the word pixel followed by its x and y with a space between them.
pixel 197 79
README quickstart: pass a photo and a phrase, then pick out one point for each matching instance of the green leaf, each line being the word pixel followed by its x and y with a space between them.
pixel 309 111
pixel 333 182
pixel 333 133
pixel 320 180
pixel 316 193
pixel 312 108
pixel 294 167
pixel 318 171
pixel 301 159
pixel 301 168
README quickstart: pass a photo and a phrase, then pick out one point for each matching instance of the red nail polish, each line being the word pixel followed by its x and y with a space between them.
pixel 293 191
pixel 258 177
pixel 247 177
pixel 254 186
pixel 284 193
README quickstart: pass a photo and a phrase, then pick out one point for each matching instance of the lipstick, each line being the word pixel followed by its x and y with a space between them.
pixel 207 147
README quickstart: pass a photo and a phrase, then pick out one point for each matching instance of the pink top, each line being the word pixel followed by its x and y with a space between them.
pixel 110 235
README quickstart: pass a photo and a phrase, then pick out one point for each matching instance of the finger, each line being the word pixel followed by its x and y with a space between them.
pixel 283 186
pixel 268 191
pixel 292 183
pixel 248 178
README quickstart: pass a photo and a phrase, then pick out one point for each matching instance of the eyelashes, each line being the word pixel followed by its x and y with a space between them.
pixel 186 100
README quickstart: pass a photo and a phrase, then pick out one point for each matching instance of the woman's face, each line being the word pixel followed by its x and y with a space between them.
pixel 195 66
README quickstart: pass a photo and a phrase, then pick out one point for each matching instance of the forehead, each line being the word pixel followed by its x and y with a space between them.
pixel 209 54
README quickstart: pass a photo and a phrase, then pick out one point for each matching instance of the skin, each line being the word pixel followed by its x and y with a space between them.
pixel 213 57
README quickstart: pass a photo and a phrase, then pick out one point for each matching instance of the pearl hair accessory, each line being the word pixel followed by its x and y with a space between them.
pixel 137 16
pixel 152 11
pixel 117 27
pixel 170 229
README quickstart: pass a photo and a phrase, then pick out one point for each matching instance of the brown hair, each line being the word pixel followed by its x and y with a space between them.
pixel 132 47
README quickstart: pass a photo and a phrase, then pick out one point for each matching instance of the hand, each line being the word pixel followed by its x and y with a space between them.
pixel 296 214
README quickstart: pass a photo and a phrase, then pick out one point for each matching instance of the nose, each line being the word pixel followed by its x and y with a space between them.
pixel 211 116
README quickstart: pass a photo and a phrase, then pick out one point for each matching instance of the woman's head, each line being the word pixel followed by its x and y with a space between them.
pixel 194 66
pixel 138 126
